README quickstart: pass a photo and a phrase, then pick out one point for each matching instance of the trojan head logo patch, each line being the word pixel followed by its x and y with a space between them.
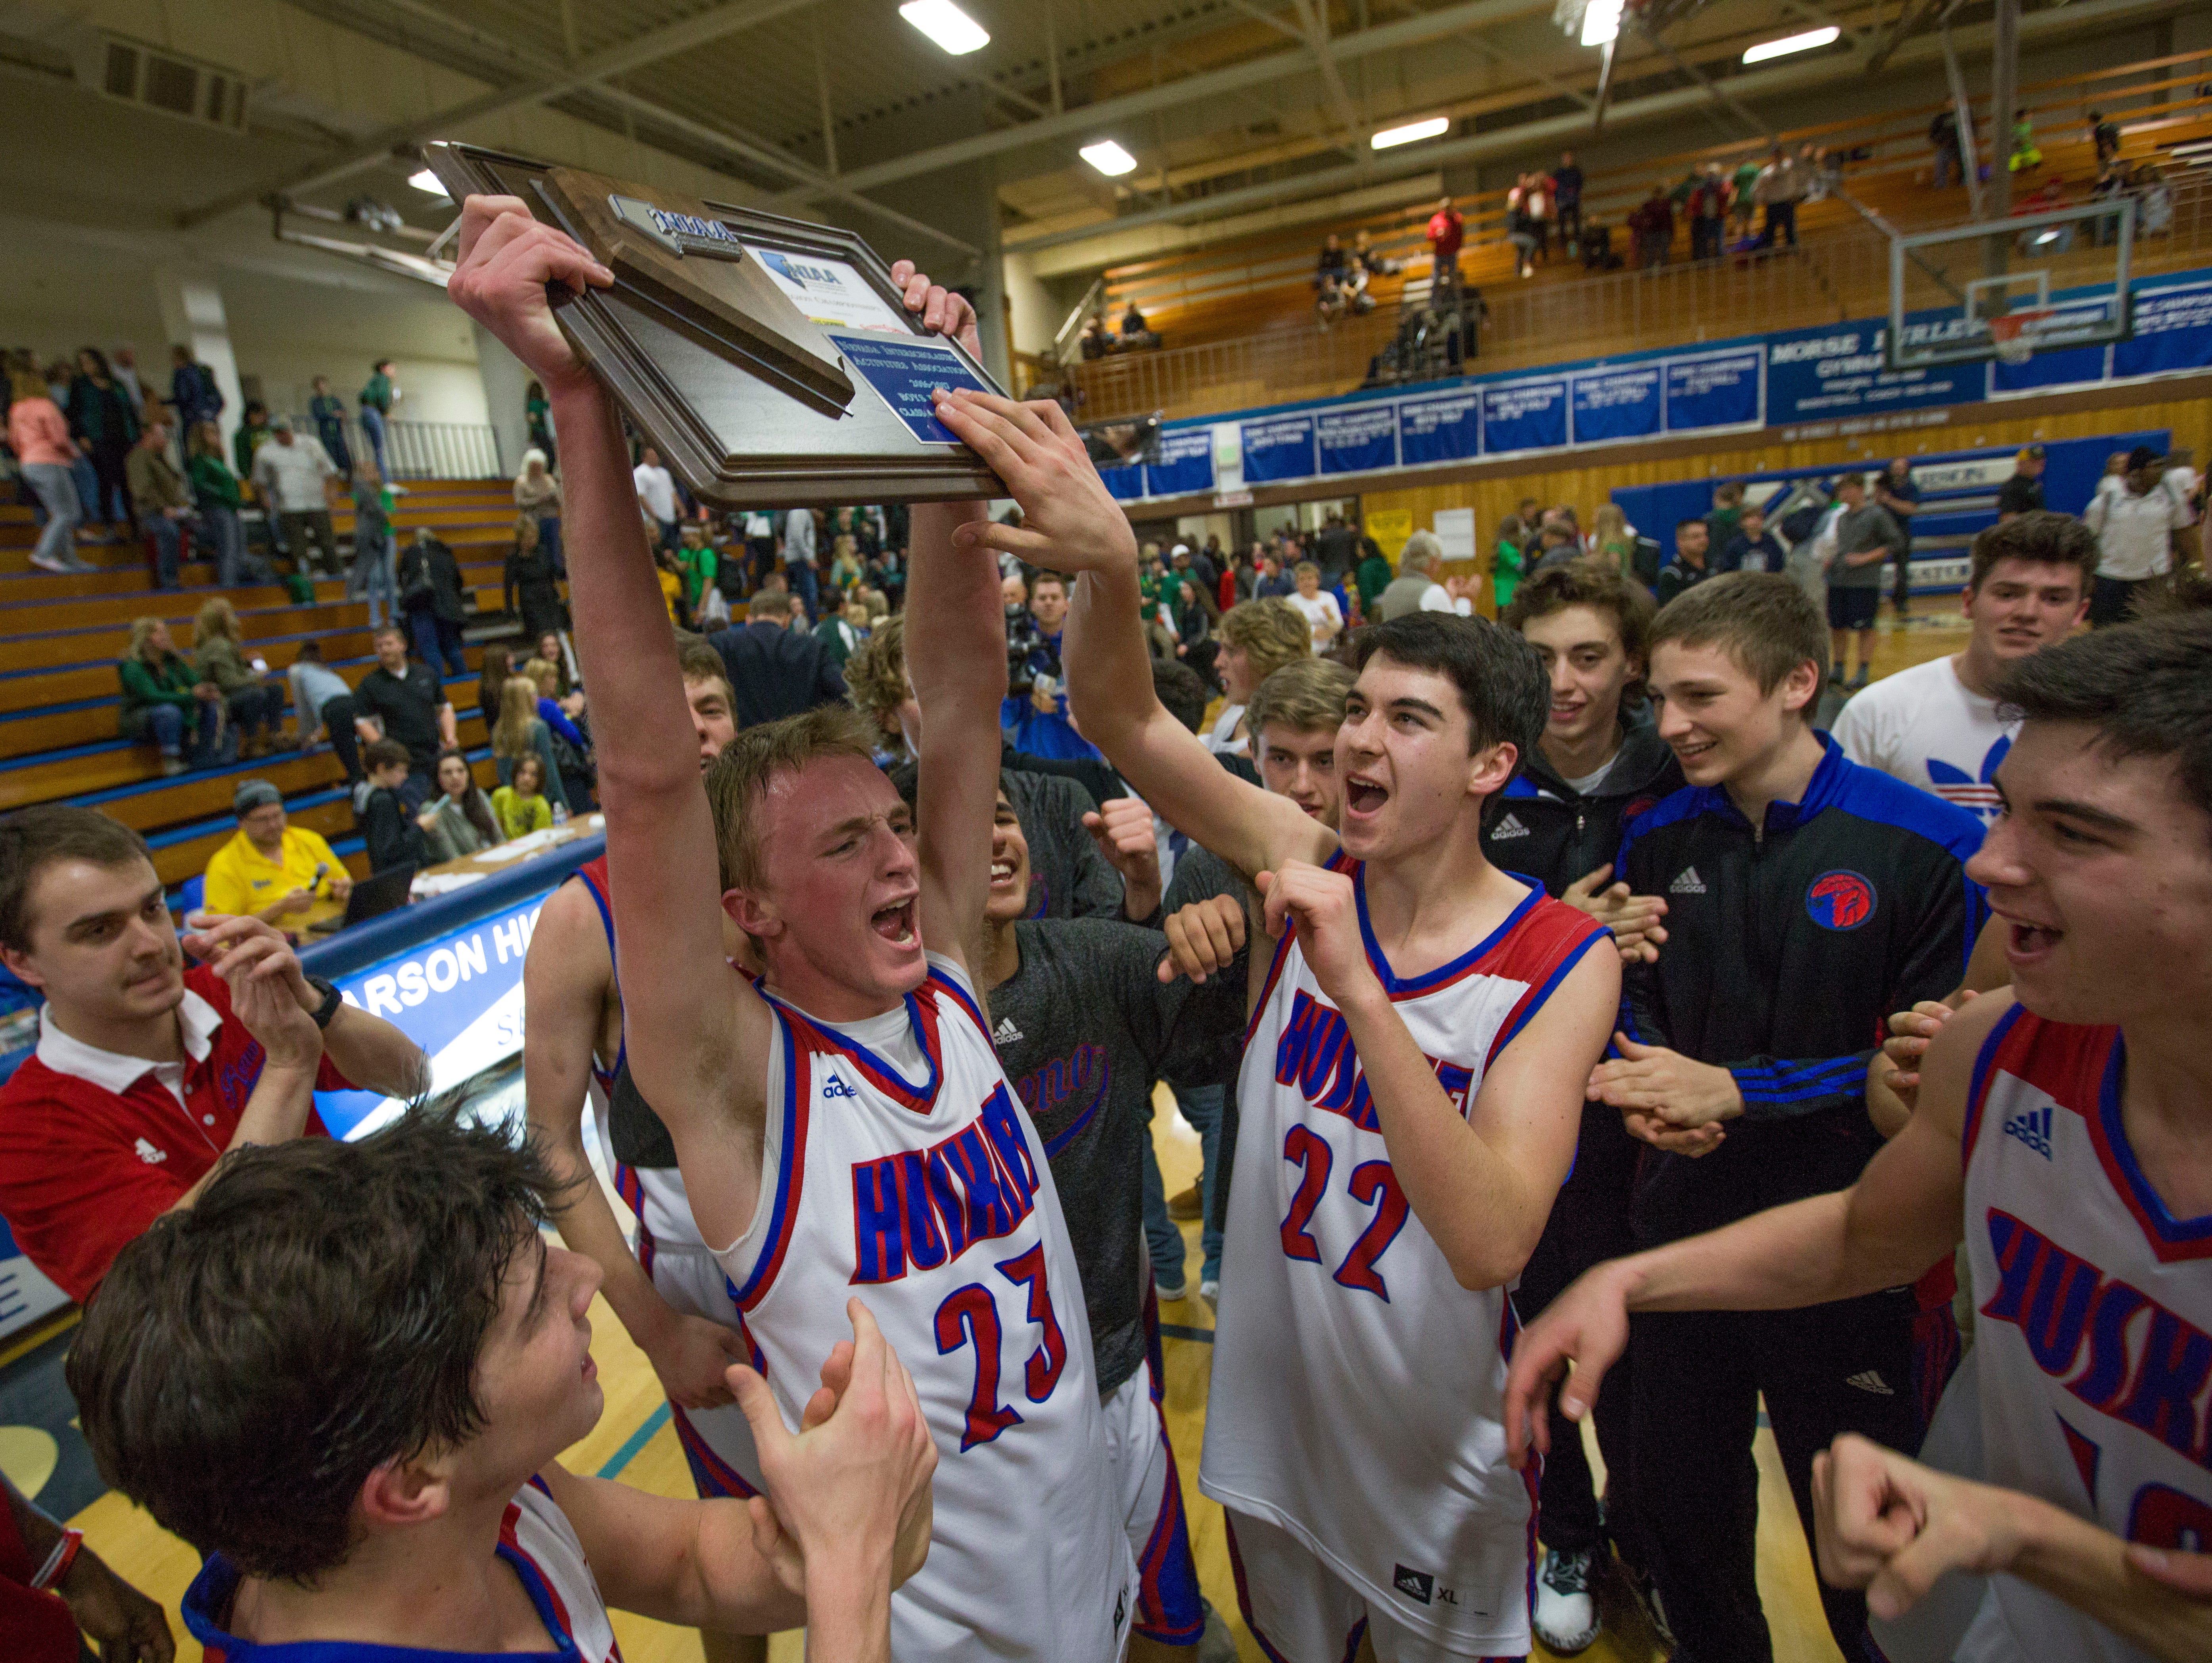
pixel 1840 900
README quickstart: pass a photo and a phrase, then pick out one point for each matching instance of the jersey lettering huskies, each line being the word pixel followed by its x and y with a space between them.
pixel 1356 1384
pixel 898 1166
pixel 2096 1321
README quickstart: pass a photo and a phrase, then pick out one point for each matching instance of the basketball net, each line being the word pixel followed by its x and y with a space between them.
pixel 2011 336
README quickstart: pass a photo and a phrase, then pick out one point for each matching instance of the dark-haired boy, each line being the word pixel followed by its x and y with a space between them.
pixel 2066 1123
pixel 1807 897
pixel 1754 548
pixel 1408 1104
pixel 345 1377
pixel 1593 771
pixel 1936 725
pixel 147 1069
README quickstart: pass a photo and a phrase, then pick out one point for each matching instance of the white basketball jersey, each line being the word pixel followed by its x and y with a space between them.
pixel 2095 1330
pixel 1356 1387
pixel 537 1535
pixel 931 1200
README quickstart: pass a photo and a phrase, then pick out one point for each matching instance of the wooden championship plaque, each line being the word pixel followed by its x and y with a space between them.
pixel 770 361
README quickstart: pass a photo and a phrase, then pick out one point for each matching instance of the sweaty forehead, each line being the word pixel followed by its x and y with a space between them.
pixel 805 801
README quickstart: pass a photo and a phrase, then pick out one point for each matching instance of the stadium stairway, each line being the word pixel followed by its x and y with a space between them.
pixel 61 636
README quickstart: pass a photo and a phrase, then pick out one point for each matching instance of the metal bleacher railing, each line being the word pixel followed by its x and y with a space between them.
pixel 1840 270
pixel 427 450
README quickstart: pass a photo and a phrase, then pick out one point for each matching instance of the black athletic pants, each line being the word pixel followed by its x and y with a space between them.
pixel 1589 1224
pixel 1871 1366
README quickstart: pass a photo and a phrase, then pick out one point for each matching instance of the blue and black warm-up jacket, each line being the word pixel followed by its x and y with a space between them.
pixel 1786 950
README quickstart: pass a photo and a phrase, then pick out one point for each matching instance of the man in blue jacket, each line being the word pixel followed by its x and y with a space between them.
pixel 1806 896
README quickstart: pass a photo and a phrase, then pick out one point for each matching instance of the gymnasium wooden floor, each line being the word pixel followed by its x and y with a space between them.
pixel 635 1441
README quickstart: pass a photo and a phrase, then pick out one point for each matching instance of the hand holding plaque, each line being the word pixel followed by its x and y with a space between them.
pixel 773 363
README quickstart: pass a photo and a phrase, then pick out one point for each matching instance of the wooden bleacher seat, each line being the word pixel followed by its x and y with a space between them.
pixel 61 636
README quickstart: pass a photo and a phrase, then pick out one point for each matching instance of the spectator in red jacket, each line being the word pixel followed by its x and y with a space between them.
pixel 148 1071
pixel 1653 225
pixel 1447 231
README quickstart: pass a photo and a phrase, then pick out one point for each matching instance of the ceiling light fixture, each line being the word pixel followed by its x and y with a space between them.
pixel 1791 43
pixel 946 24
pixel 426 182
pixel 1600 22
pixel 1412 132
pixel 1110 157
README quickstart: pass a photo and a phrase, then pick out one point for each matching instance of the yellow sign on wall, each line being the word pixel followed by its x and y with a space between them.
pixel 1390 527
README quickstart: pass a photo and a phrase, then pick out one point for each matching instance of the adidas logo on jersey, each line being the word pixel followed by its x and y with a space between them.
pixel 1007 1033
pixel 1508 827
pixel 1415 1584
pixel 1869 1380
pixel 150 1155
pixel 2032 1127
pixel 1688 883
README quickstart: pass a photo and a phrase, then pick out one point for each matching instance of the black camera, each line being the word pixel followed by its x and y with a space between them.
pixel 1029 654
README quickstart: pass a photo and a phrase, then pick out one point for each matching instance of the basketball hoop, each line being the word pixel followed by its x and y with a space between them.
pixel 2014 336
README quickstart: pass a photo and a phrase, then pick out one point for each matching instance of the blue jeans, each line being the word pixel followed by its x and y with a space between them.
pixel 549 539
pixel 1163 1239
pixel 51 483
pixel 233 567
pixel 807 587
pixel 373 575
pixel 1201 1107
pixel 168 548
pixel 165 726
pixel 437 643
pixel 372 423
pixel 87 479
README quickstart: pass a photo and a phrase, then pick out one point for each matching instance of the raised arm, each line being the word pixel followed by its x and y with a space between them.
pixel 1071 525
pixel 698 1031
pixel 565 978
pixel 1905 1212
pixel 952 603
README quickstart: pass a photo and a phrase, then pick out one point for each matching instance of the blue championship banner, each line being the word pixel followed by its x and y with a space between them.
pixel 1358 439
pixel 1448 428
pixel 1530 415
pixel 1185 466
pixel 1718 389
pixel 1280 449
pixel 1616 404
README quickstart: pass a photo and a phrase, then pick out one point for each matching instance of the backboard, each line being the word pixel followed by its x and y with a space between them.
pixel 2036 282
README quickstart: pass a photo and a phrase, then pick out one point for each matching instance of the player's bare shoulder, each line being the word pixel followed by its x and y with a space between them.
pixel 1947 1069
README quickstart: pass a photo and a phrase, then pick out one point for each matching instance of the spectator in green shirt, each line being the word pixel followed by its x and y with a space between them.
pixel 1373 576
pixel 1507 565
pixel 165 701
pixel 216 495
pixel 697 560
pixel 253 433
pixel 377 398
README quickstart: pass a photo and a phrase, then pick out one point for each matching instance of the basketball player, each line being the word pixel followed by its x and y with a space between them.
pixel 1408 1102
pixel 671 1296
pixel 2067 1123
pixel 1084 1028
pixel 1936 725
pixel 345 1375
pixel 845 1125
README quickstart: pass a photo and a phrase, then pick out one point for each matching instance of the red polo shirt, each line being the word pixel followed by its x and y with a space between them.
pixel 93 1146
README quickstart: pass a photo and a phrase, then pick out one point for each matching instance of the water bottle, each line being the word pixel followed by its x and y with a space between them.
pixel 560 814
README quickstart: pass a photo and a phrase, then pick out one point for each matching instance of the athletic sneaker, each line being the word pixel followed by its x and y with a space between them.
pixel 1645 1588
pixel 1210 1292
pixel 1167 1291
pixel 1566 1612
pixel 51 563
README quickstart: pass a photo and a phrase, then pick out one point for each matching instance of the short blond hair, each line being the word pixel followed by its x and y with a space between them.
pixel 875 674
pixel 1270 633
pixel 1304 697
pixel 737 780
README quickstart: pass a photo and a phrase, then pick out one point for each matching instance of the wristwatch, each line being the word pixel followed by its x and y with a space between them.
pixel 331 999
